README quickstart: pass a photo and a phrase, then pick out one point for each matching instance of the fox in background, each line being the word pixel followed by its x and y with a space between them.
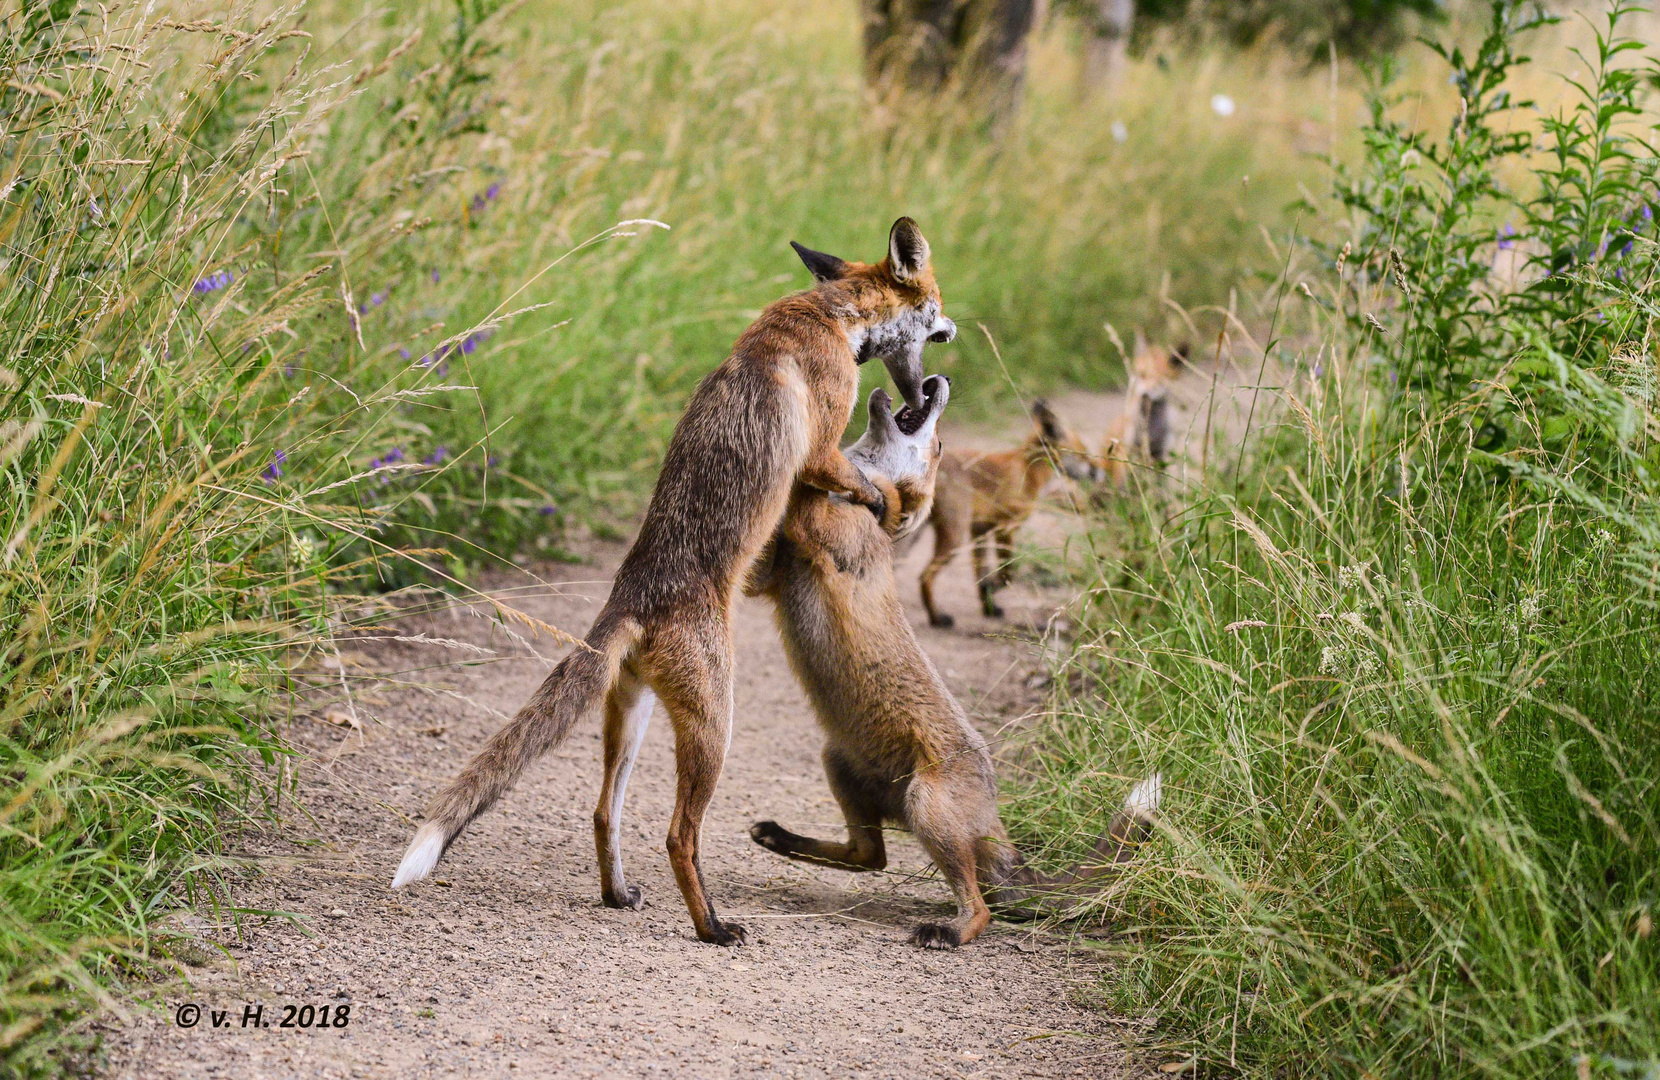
pixel 983 498
pixel 1141 433
pixel 898 746
pixel 767 419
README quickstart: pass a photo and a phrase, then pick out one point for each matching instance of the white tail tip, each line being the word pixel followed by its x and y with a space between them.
pixel 1142 803
pixel 422 855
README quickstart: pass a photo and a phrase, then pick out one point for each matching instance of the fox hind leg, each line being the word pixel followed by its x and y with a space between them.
pixel 864 849
pixel 693 676
pixel 627 715
pixel 936 817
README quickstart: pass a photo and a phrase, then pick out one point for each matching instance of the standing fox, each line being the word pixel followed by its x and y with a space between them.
pixel 986 497
pixel 769 417
pixel 1142 430
pixel 898 747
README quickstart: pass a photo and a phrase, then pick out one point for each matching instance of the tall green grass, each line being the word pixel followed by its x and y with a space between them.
pixel 1398 660
pixel 185 397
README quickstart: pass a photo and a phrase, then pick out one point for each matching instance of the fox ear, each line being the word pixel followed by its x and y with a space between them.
pixel 907 250
pixel 823 267
pixel 1047 421
pixel 1140 342
pixel 1178 356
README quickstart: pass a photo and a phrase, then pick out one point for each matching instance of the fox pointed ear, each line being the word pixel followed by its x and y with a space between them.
pixel 1047 421
pixel 1178 356
pixel 1140 342
pixel 823 267
pixel 907 249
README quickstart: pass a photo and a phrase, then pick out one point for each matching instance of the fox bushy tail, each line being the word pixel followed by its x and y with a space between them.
pixel 574 688
pixel 1020 891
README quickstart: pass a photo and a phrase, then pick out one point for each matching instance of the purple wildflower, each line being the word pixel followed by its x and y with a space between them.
pixel 274 470
pixel 548 510
pixel 493 190
pixel 1505 243
pixel 404 352
pixel 1627 249
pixel 1648 212
pixel 435 277
pixel 288 371
pixel 363 309
pixel 377 299
pixel 469 345
pixel 437 456
pixel 1319 369
pixel 1619 272
pixel 492 461
pixel 213 283
pixel 391 457
pixel 1394 377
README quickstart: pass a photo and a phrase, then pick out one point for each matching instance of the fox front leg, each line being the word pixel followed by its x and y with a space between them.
pixel 832 472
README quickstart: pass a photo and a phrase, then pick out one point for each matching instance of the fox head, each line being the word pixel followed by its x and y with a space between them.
pixel 905 449
pixel 890 309
pixel 1151 374
pixel 1055 442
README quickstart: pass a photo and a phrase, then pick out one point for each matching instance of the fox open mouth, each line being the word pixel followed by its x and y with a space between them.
pixel 909 421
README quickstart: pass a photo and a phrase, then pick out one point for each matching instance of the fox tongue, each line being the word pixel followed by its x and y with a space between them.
pixel 908 420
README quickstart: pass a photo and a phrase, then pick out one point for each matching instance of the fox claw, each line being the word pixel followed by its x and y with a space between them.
pixel 728 935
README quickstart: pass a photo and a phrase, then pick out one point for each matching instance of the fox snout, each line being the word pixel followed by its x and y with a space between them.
pixel 944 331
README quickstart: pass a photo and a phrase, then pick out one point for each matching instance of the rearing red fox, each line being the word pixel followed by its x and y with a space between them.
pixel 770 415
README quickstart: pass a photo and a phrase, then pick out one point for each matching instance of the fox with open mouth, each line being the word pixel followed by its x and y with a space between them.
pixel 767 421
pixel 898 746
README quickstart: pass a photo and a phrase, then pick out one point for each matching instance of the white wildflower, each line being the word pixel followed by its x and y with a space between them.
pixel 1366 664
pixel 1602 540
pixel 1354 620
pixel 302 550
pixel 1221 105
pixel 1120 133
pixel 1530 609
pixel 1332 659
pixel 1351 577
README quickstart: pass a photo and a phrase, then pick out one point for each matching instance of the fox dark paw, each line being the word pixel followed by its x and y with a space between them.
pixel 942 620
pixel 728 934
pixel 632 900
pixel 936 936
pixel 770 835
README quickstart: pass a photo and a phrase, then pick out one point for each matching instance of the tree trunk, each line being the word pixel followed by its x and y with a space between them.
pixel 973 48
pixel 1107 26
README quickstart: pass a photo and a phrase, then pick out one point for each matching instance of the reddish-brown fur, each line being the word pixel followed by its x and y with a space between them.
pixel 982 499
pixel 767 419
pixel 898 747
pixel 1140 435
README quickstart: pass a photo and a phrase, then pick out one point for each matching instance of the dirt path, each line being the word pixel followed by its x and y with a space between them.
pixel 508 965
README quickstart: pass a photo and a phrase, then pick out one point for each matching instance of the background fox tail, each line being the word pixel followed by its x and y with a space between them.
pixel 569 693
pixel 1020 891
